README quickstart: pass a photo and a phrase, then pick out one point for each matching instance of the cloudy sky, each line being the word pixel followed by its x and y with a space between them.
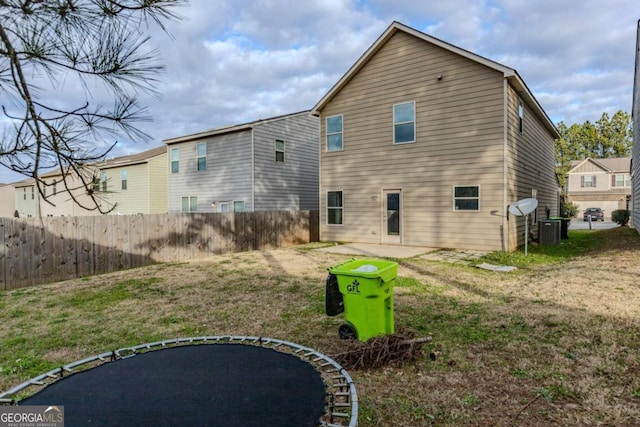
pixel 233 61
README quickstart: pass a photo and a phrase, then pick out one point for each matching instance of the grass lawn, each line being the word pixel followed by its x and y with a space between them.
pixel 556 342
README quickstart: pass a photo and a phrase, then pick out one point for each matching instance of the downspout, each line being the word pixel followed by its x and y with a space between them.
pixel 505 170
pixel 253 172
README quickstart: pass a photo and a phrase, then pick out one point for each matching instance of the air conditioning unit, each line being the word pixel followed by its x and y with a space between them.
pixel 549 231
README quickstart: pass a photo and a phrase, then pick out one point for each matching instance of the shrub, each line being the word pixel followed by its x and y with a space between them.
pixel 621 216
pixel 569 210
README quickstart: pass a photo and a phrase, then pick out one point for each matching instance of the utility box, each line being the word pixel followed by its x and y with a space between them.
pixel 549 231
pixel 366 287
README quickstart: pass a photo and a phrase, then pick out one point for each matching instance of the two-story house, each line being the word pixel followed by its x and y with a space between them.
pixel 265 165
pixel 600 183
pixel 57 189
pixel 135 184
pixel 424 143
pixel 130 184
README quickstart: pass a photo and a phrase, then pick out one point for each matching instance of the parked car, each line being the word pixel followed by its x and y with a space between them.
pixel 596 214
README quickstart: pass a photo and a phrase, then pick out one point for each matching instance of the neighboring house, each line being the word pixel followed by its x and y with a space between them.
pixel 635 164
pixel 29 203
pixel 424 143
pixel 7 200
pixel 25 198
pixel 269 164
pixel 135 184
pixel 600 183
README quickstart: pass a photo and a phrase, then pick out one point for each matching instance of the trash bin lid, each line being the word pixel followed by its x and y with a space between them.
pixel 385 270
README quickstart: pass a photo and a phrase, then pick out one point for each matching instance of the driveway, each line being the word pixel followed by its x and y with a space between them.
pixel 578 224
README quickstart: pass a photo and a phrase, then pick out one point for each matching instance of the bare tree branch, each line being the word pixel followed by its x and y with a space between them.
pixel 45 43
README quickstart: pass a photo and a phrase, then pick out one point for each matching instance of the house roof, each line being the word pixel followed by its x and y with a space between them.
pixel 230 129
pixel 132 159
pixel 509 73
pixel 613 164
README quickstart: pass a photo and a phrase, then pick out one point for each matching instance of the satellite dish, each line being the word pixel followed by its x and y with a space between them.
pixel 523 207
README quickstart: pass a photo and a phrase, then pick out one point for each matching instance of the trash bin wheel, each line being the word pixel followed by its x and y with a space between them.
pixel 347 332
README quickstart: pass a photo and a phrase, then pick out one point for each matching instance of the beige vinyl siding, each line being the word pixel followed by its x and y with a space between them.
pixel 531 161
pixel 157 178
pixel 135 199
pixel 26 206
pixel 62 204
pixel 8 202
pixel 226 179
pixel 459 141
pixel 603 182
pixel 292 184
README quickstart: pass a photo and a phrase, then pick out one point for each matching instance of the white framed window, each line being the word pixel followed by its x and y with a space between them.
pixel 279 151
pixel 103 182
pixel 189 204
pixel 404 123
pixel 223 207
pixel 55 189
pixel 622 180
pixel 588 181
pixel 123 179
pixel 201 156
pixel 175 160
pixel 334 133
pixel 238 206
pixel 335 207
pixel 520 116
pixel 466 198
pixel 96 184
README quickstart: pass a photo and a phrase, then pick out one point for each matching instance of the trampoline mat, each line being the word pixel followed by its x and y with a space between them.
pixel 193 385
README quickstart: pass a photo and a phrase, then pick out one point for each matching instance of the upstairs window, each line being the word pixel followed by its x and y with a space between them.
pixel 55 183
pixel 279 151
pixel 622 180
pixel 588 181
pixel 404 123
pixel 334 133
pixel 334 207
pixel 466 198
pixel 201 156
pixel 96 184
pixel 238 206
pixel 123 179
pixel 520 116
pixel 175 160
pixel 103 181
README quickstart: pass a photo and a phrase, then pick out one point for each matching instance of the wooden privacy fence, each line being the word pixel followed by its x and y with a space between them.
pixel 64 248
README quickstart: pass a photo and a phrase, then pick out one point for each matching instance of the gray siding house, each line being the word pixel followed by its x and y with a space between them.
pixel 266 165
pixel 426 144
pixel 635 162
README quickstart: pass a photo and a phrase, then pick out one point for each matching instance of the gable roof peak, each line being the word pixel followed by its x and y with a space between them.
pixel 509 73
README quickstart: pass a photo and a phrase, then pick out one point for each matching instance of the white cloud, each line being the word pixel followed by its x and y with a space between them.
pixel 235 61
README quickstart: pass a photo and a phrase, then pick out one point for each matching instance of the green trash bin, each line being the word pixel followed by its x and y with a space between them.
pixel 367 290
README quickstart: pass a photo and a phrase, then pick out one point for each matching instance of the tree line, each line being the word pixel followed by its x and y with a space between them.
pixel 609 136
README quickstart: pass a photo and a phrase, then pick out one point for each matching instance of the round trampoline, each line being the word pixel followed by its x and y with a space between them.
pixel 199 381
